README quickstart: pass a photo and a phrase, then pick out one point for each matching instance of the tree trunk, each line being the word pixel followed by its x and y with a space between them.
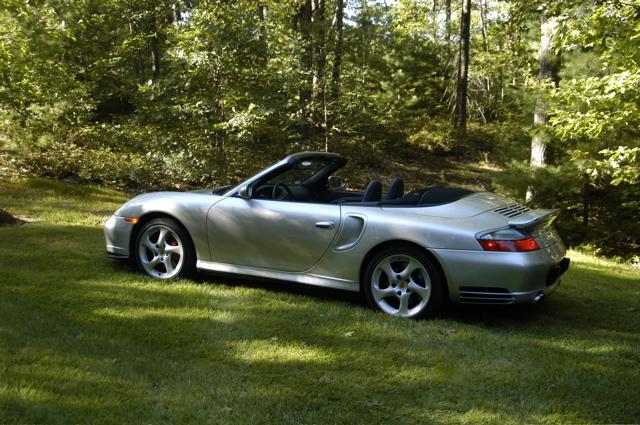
pixel 139 62
pixel 364 29
pixel 549 66
pixel 320 42
pixel 337 52
pixel 262 34
pixel 306 62
pixel 154 45
pixel 8 219
pixel 434 17
pixel 485 39
pixel 483 23
pixel 463 69
pixel 586 186
pixel 176 12
pixel 321 65
pixel 155 56
pixel 447 22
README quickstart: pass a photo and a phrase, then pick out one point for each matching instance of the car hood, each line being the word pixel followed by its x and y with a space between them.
pixel 152 196
pixel 159 201
pixel 218 190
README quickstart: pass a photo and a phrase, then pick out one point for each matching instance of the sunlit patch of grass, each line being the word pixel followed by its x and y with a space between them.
pixel 84 339
pixel 57 202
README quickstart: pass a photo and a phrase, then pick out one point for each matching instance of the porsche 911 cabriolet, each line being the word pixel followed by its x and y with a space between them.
pixel 406 253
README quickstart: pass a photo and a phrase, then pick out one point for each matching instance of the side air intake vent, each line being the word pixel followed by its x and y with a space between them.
pixel 480 295
pixel 512 210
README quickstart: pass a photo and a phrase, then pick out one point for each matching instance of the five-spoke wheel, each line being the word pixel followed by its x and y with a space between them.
pixel 403 281
pixel 163 249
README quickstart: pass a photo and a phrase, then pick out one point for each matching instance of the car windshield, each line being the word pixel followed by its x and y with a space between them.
pixel 302 171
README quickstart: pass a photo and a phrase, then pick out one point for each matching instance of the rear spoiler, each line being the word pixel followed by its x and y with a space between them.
pixel 535 218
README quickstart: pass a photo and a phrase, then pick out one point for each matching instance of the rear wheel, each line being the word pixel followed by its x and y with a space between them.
pixel 403 281
pixel 163 249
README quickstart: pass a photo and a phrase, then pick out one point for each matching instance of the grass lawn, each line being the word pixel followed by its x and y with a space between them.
pixel 84 339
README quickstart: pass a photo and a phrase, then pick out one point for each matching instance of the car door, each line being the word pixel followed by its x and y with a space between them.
pixel 271 234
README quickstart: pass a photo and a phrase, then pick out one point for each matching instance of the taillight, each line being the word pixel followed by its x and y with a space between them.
pixel 507 240
pixel 522 245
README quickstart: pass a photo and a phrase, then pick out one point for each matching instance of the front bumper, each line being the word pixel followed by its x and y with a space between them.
pixel 503 277
pixel 117 235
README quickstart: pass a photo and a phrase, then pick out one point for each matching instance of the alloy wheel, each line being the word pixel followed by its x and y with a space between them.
pixel 161 252
pixel 400 285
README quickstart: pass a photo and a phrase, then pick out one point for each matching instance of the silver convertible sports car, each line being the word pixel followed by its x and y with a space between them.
pixel 407 253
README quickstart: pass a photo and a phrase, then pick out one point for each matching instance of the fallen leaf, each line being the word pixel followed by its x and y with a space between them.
pixel 324 379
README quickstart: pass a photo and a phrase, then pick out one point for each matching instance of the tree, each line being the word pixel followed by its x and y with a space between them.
pixel 547 75
pixel 447 22
pixel 182 93
pixel 463 69
pixel 319 81
pixel 262 32
pixel 337 52
pixel 304 18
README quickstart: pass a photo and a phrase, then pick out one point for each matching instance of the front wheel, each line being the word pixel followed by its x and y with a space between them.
pixel 403 281
pixel 164 250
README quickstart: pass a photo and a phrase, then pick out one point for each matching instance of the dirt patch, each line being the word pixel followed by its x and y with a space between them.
pixel 7 219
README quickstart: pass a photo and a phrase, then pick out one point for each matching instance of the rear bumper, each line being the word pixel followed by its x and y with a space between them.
pixel 503 277
pixel 554 278
pixel 117 235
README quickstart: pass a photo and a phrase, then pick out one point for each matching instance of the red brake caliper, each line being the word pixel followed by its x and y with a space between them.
pixel 174 257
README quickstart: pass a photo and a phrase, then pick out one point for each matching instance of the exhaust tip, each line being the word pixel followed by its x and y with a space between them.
pixel 539 297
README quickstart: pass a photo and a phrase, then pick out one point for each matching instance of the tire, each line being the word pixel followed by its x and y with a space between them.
pixel 403 281
pixel 164 250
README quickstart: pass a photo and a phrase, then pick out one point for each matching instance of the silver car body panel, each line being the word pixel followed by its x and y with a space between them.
pixel 189 208
pixel 270 234
pixel 326 244
pixel 117 233
pixel 305 278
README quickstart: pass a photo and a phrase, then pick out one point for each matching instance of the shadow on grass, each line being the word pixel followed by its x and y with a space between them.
pixel 85 340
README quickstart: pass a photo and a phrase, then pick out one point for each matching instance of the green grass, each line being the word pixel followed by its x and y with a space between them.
pixel 84 339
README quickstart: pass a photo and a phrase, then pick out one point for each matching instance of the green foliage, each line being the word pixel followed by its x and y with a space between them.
pixel 182 94
pixel 498 141
pixel 596 108
pixel 617 166
pixel 599 205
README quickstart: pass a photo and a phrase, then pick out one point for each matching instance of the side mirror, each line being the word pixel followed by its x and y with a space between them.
pixel 244 192
pixel 337 183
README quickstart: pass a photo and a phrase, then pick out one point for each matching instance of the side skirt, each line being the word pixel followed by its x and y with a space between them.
pixel 305 278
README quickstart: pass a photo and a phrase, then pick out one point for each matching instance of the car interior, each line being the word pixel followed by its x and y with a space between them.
pixel 313 180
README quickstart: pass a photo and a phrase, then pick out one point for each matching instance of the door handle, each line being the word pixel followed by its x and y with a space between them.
pixel 326 225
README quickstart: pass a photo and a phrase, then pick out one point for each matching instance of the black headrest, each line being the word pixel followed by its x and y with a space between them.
pixel 396 189
pixel 373 192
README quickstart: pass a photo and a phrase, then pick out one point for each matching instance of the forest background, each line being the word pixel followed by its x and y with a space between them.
pixel 538 100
